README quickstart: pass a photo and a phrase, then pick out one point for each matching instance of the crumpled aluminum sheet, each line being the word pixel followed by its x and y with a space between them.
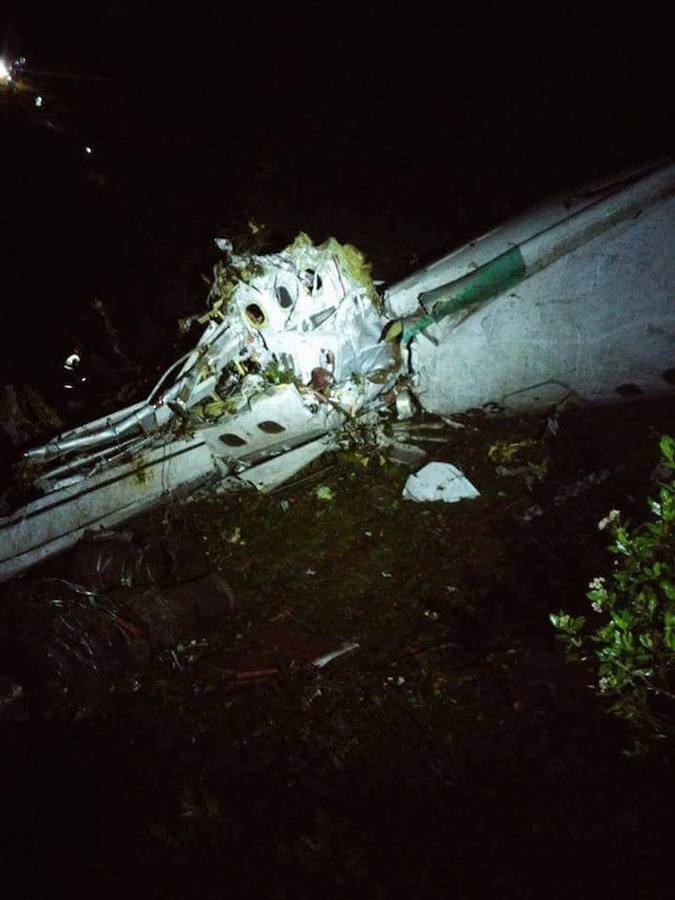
pixel 304 311
pixel 439 481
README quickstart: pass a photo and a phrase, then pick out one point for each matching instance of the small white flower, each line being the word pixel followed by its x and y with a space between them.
pixel 611 517
pixel 596 607
pixel 604 684
pixel 597 584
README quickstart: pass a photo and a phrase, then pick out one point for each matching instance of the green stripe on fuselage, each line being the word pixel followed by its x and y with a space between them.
pixel 500 274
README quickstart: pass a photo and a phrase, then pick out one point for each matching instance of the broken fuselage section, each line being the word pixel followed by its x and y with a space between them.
pixel 573 299
pixel 299 353
pixel 292 353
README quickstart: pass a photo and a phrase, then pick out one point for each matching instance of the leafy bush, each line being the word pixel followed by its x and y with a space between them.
pixel 634 644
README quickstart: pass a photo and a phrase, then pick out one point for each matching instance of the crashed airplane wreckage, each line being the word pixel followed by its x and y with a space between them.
pixel 300 354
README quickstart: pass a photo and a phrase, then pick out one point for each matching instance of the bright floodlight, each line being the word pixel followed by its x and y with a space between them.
pixel 5 74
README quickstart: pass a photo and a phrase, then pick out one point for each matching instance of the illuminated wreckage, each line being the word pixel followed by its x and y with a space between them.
pixel 300 354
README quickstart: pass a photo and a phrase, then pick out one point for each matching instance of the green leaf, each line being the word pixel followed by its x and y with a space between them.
pixel 667 446
pixel 621 618
pixel 669 629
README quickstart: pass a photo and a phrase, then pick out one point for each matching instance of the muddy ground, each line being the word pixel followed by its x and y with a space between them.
pixel 454 752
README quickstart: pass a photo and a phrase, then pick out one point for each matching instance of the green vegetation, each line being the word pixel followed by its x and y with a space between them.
pixel 275 373
pixel 634 644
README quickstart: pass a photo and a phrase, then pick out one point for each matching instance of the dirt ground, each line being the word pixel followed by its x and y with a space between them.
pixel 452 751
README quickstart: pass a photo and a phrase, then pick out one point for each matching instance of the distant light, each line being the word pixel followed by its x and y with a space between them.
pixel 38 102
pixel 5 74
pixel 88 150
pixel 72 361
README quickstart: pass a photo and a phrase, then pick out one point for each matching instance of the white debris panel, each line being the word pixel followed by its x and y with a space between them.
pixel 439 481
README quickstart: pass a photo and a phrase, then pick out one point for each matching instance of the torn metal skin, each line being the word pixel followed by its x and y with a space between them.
pixel 299 353
pixel 291 355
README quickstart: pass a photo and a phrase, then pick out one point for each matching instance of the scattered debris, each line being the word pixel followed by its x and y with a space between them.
pixel 405 405
pixel 301 354
pixel 234 536
pixel 405 454
pixel 255 675
pixel 582 485
pixel 112 559
pixel 324 492
pixel 531 513
pixel 506 451
pixel 453 423
pixel 323 660
pixel 530 473
pixel 553 423
pixel 68 647
pixel 439 481
pixel 65 648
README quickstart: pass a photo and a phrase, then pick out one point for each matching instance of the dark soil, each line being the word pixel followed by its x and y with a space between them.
pixel 453 751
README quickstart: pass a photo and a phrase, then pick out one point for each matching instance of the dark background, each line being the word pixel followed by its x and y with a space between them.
pixel 397 127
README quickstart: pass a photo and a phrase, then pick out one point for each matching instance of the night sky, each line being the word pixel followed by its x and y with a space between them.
pixel 397 128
